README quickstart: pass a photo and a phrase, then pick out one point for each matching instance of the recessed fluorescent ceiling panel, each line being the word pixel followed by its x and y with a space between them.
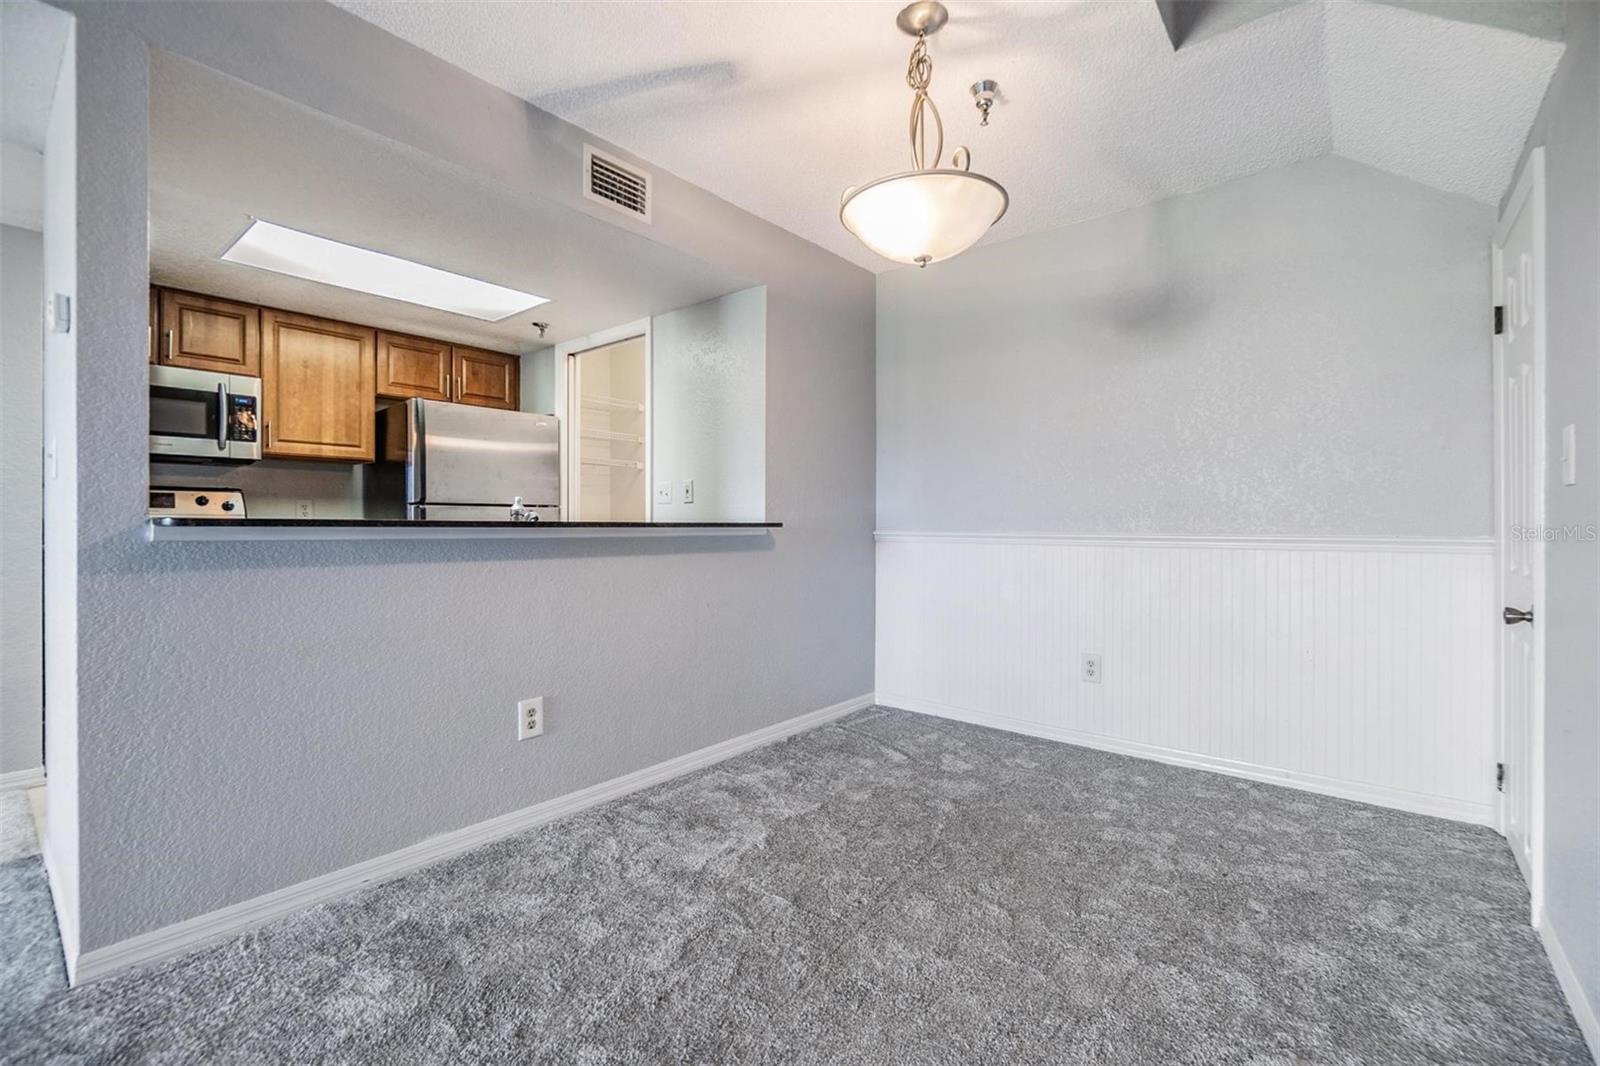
pixel 305 255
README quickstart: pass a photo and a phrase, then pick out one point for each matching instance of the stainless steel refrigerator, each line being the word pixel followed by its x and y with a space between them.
pixel 455 462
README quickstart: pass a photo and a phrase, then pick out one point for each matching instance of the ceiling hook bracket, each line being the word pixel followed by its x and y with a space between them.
pixel 983 93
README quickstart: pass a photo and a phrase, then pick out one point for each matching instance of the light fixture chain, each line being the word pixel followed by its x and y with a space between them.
pixel 919 74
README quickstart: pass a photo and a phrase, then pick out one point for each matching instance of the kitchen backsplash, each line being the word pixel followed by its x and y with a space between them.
pixel 276 489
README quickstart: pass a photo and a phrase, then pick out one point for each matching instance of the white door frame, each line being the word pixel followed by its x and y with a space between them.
pixel 1528 192
pixel 563 372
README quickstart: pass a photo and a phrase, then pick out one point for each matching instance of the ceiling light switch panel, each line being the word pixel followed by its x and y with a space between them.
pixel 688 491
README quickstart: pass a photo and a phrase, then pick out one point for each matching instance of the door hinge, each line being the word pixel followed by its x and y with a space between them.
pixel 1499 319
pixel 1499 777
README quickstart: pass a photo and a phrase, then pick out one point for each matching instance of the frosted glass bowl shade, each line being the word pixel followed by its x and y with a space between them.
pixel 923 216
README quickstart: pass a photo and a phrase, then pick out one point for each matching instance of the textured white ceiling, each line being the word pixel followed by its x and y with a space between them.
pixel 1442 102
pixel 778 107
pixel 217 151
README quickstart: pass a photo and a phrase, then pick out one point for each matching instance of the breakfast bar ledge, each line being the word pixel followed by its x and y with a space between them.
pixel 172 529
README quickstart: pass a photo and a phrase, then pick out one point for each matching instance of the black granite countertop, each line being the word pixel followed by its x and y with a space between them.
pixel 172 528
pixel 420 523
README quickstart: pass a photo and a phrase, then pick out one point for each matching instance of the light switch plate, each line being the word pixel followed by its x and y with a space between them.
pixel 1569 454
pixel 663 492
pixel 688 491
pixel 58 313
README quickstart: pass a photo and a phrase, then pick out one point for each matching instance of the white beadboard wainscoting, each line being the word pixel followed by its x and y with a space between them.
pixel 1360 668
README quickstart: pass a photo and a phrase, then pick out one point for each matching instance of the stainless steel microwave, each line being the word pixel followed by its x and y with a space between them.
pixel 197 416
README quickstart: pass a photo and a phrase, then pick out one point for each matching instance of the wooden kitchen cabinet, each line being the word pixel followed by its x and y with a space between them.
pixel 486 379
pixel 206 333
pixel 318 388
pixel 413 366
pixel 321 379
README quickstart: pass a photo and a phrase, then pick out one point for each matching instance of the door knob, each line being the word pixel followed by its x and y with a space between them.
pixel 1513 616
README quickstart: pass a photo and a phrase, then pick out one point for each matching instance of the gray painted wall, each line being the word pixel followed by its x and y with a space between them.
pixel 254 715
pixel 1569 127
pixel 22 517
pixel 708 394
pixel 1302 351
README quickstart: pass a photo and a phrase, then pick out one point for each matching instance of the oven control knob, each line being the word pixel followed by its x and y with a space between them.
pixel 201 501
pixel 227 505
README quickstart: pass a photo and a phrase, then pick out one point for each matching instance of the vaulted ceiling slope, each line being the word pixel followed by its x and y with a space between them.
pixel 778 107
pixel 33 37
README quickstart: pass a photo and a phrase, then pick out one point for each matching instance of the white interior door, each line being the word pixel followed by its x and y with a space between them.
pixel 1518 257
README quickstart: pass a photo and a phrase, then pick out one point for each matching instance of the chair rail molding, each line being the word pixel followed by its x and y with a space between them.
pixel 1359 667
pixel 1282 542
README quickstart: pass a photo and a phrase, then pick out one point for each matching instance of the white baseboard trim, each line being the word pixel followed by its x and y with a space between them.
pixel 239 917
pixel 15 779
pixel 66 914
pixel 1400 799
pixel 1582 1010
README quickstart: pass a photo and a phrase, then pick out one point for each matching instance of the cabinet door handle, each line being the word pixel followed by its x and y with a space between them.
pixel 267 427
pixel 170 343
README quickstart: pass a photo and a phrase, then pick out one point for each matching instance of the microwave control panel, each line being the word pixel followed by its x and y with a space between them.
pixel 196 503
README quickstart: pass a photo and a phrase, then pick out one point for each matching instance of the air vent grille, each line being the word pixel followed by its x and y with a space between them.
pixel 611 182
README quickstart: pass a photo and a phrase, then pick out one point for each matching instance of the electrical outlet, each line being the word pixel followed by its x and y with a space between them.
pixel 1091 667
pixel 688 490
pixel 530 718
pixel 305 509
pixel 663 492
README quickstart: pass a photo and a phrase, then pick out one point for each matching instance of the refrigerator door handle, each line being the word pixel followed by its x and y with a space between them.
pixel 417 455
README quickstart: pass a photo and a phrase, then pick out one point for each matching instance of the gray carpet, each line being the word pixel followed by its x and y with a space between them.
pixel 891 888
pixel 31 968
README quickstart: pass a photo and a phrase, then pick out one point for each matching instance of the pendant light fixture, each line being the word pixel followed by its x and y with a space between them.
pixel 928 213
